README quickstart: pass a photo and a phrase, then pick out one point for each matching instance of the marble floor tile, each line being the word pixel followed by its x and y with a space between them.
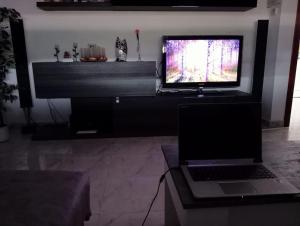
pixel 124 172
pixel 155 218
pixel 131 195
pixel 295 113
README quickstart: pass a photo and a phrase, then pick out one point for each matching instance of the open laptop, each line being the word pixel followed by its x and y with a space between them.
pixel 220 152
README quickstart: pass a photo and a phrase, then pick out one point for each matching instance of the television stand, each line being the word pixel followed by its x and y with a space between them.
pixel 195 93
pixel 138 111
pixel 200 92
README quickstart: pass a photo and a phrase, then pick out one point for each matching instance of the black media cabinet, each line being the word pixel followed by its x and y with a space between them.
pixel 115 100
pixel 128 116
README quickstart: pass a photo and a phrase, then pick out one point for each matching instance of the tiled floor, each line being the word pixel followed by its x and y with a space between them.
pixel 295 115
pixel 124 172
pixel 295 120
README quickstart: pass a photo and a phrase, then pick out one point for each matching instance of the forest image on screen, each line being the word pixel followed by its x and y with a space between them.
pixel 196 61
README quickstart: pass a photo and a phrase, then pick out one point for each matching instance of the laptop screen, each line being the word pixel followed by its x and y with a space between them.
pixel 212 131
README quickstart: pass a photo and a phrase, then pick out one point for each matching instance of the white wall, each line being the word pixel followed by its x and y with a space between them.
pixel 44 29
pixel 281 33
pixel 270 66
pixel 297 81
pixel 285 43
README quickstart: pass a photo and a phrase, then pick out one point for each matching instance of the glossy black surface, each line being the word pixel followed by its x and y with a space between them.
pixel 130 116
pixel 219 131
pixel 20 55
pixel 115 99
pixel 260 58
pixel 209 3
pixel 189 202
pixel 91 114
pixel 149 5
pixel 109 79
pixel 214 84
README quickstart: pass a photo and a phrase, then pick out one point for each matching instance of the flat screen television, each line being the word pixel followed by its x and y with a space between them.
pixel 201 61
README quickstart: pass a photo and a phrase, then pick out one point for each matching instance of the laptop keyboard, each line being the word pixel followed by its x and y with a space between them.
pixel 242 172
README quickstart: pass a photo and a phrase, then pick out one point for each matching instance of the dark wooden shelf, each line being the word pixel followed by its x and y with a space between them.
pixel 107 6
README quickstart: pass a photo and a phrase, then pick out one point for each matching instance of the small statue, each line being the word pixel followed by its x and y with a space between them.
pixel 67 55
pixel 75 52
pixel 138 47
pixel 121 50
pixel 57 51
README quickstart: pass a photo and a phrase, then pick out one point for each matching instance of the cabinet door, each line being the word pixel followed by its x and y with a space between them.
pixel 91 114
pixel 145 116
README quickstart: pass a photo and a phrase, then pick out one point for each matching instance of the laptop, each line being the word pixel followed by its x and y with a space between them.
pixel 220 152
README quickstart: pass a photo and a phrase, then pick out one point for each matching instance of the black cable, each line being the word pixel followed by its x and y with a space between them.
pixel 162 178
pixel 51 112
pixel 54 112
pixel 158 75
pixel 28 116
pixel 57 112
pixel 158 91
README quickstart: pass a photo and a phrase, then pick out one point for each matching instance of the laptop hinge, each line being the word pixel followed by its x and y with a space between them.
pixel 219 162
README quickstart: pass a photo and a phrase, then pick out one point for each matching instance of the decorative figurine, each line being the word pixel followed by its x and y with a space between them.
pixel 121 50
pixel 57 51
pixel 75 52
pixel 138 48
pixel 67 55
pixel 93 53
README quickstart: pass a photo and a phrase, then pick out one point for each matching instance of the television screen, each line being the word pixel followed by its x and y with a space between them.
pixel 202 61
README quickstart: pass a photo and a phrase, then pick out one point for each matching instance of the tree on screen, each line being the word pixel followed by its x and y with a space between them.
pixel 209 45
pixel 222 56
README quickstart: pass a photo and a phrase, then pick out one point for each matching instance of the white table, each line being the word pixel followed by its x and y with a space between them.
pixel 181 209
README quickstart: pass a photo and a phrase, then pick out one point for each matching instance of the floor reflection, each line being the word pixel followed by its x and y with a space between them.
pixel 126 170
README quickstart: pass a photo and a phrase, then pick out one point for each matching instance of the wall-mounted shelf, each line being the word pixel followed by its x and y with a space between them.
pixel 243 5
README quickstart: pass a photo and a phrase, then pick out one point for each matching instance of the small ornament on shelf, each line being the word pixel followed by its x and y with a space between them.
pixel 67 57
pixel 75 52
pixel 138 47
pixel 93 53
pixel 121 50
pixel 57 51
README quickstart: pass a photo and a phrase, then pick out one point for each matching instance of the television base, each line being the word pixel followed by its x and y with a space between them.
pixel 200 92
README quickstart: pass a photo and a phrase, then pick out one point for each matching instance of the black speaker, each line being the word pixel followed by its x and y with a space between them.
pixel 20 54
pixel 260 58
